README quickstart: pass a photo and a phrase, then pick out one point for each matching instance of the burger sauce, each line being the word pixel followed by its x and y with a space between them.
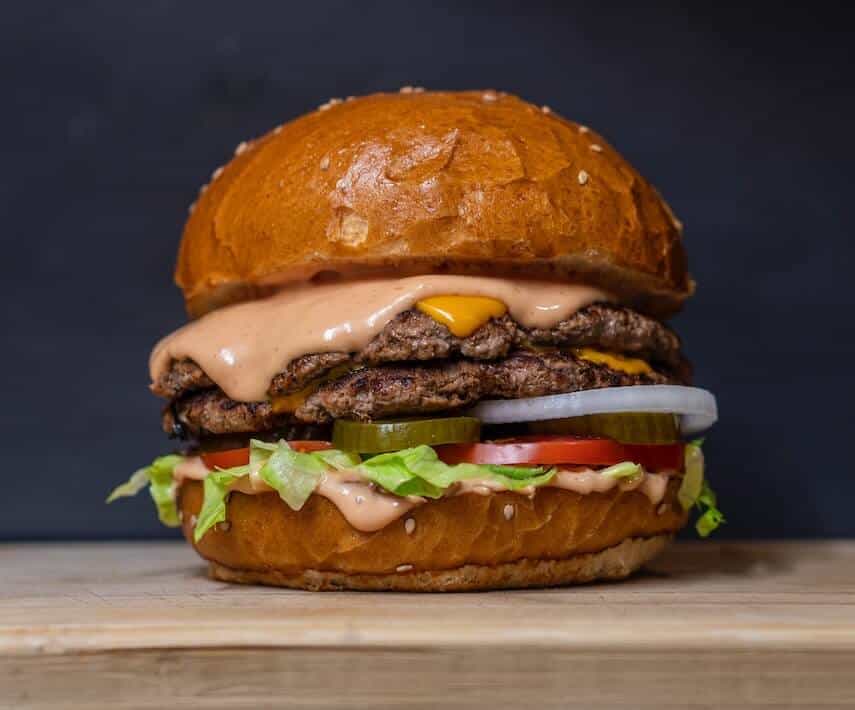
pixel 242 347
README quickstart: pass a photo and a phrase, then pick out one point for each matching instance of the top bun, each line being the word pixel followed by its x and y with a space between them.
pixel 416 182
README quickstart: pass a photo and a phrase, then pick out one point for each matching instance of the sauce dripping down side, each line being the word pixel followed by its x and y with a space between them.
pixel 369 510
pixel 242 347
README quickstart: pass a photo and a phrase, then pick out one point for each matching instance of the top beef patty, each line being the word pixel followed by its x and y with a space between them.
pixel 416 365
pixel 413 336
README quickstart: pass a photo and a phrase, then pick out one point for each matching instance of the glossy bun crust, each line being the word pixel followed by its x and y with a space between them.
pixel 459 543
pixel 467 182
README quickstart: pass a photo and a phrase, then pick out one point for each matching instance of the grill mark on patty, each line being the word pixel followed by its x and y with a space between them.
pixel 413 336
pixel 399 390
pixel 211 412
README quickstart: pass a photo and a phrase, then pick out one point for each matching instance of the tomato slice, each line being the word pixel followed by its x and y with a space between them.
pixel 309 445
pixel 240 457
pixel 548 450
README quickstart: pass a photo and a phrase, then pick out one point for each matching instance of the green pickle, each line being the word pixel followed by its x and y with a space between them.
pixel 394 435
pixel 629 428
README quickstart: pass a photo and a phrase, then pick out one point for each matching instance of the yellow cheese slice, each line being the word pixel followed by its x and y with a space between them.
pixel 621 363
pixel 462 315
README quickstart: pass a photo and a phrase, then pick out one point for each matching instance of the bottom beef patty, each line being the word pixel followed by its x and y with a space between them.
pixel 400 390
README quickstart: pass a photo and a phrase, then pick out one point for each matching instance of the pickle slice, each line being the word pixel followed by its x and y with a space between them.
pixel 394 435
pixel 629 428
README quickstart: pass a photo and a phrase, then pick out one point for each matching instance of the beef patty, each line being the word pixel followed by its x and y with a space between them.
pixel 413 336
pixel 398 390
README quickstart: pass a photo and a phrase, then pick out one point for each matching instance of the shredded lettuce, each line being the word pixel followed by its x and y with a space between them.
pixel 137 481
pixel 693 478
pixel 711 517
pixel 216 490
pixel 417 471
pixel 339 460
pixel 695 491
pixel 158 477
pixel 627 469
pixel 292 474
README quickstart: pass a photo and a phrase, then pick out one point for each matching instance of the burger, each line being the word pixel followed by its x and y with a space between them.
pixel 427 353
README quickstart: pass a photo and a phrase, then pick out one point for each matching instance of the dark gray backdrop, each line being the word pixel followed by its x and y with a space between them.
pixel 115 112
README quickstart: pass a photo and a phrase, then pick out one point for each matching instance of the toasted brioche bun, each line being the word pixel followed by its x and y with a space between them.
pixel 616 562
pixel 470 182
pixel 465 542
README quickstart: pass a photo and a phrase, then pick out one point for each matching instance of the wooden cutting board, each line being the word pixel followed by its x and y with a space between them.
pixel 139 625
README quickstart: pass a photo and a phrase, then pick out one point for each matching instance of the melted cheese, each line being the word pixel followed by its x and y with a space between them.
pixel 462 315
pixel 289 403
pixel 621 363
pixel 244 346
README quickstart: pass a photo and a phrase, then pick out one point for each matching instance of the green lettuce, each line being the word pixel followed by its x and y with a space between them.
pixel 627 470
pixel 161 487
pixel 695 491
pixel 419 472
pixel 293 475
pixel 693 478
pixel 711 517
pixel 216 490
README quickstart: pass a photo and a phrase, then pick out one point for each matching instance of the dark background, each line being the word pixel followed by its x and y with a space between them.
pixel 114 113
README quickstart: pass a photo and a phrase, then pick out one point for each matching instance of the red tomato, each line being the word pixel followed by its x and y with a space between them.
pixel 544 450
pixel 240 457
pixel 309 445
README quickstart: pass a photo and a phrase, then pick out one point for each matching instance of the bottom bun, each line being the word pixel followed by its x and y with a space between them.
pixel 616 562
pixel 468 541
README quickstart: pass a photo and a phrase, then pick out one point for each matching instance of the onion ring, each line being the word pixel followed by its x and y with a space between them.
pixel 695 407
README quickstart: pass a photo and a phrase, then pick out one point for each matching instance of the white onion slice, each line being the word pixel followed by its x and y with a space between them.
pixel 696 407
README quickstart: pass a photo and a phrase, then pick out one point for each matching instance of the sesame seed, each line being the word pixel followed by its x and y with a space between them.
pixel 324 107
pixel 662 509
pixel 403 568
pixel 224 526
pixel 217 173
pixel 677 223
pixel 325 162
pixel 546 109
pixel 409 526
pixel 596 147
pixel 582 177
pixel 489 96
pixel 350 98
pixel 583 129
pixel 276 130
pixel 406 89
pixel 281 184
pixel 508 511
pixel 193 520
pixel 203 188
pixel 241 147
pixel 191 207
pixel 418 89
pixel 359 500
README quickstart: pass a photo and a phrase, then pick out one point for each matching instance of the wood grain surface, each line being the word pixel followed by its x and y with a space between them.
pixel 139 625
